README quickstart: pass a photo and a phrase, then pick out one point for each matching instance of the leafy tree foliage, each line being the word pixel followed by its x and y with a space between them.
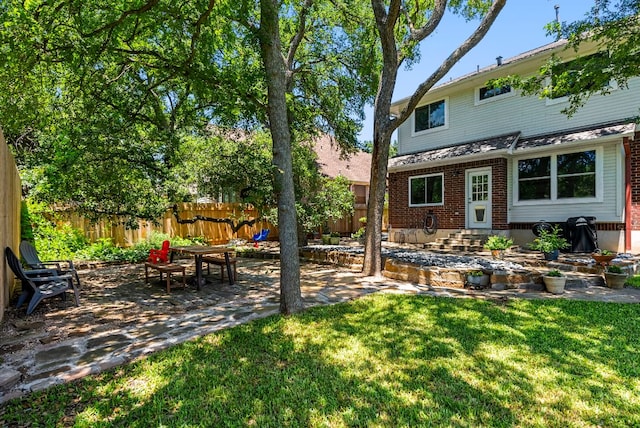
pixel 612 30
pixel 110 91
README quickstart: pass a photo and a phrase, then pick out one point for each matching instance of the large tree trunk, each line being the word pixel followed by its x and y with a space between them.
pixel 290 296
pixel 375 209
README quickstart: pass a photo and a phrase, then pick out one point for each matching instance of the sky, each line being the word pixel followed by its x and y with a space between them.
pixel 518 28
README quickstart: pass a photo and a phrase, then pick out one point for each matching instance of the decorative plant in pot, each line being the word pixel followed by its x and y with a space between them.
pixel 549 242
pixel 326 235
pixel 497 244
pixel 603 257
pixel 335 238
pixel 477 278
pixel 554 281
pixel 615 277
pixel 359 235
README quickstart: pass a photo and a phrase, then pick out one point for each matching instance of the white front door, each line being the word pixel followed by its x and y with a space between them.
pixel 479 198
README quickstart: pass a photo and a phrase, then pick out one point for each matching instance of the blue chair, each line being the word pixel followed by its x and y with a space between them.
pixel 260 236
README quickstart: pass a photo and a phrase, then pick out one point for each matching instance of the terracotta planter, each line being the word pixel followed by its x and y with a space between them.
pixel 615 280
pixel 497 254
pixel 603 260
pixel 554 284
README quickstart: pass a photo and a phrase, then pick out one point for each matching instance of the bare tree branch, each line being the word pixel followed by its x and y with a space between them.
pixel 430 26
pixel 451 60
pixel 296 41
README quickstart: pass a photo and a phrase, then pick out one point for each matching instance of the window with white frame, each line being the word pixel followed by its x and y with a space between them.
pixel 558 176
pixel 426 190
pixel 430 116
pixel 487 93
pixel 569 77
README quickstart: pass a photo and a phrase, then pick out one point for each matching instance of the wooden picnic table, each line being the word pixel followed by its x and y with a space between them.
pixel 198 251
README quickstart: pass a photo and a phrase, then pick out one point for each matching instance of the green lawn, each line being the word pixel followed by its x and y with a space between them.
pixel 633 281
pixel 382 361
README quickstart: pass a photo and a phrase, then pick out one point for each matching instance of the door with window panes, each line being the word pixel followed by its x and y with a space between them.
pixel 478 198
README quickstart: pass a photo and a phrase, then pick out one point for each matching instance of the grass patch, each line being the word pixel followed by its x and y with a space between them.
pixel 633 281
pixel 381 361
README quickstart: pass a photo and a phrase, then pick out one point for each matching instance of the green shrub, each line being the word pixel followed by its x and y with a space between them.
pixel 53 239
pixel 358 233
pixel 475 273
pixel 105 250
pixel 633 281
pixel 498 242
pixel 614 269
pixel 554 272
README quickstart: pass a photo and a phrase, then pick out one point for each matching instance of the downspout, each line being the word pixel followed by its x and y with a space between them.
pixel 627 194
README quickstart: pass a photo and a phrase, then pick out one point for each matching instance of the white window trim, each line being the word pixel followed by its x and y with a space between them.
pixel 432 130
pixel 477 101
pixel 441 174
pixel 554 200
pixel 613 86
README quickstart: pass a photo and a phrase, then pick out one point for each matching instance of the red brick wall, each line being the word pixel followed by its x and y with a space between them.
pixel 635 184
pixel 451 215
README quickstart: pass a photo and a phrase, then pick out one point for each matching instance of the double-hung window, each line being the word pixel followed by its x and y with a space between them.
pixel 430 116
pixel 565 176
pixel 426 190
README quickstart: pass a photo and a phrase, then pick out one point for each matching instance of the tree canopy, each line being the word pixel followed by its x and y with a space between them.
pixel 99 97
pixel 612 30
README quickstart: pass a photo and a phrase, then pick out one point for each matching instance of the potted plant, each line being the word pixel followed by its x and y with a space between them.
pixel 335 238
pixel 497 244
pixel 477 278
pixel 603 257
pixel 549 242
pixel 615 277
pixel 359 235
pixel 326 235
pixel 554 281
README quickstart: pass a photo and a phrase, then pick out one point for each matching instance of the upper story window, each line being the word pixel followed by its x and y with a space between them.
pixel 430 116
pixel 558 176
pixel 426 190
pixel 487 93
pixel 574 76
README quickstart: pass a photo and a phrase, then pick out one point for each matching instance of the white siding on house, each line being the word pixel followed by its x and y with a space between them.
pixel 530 115
pixel 606 211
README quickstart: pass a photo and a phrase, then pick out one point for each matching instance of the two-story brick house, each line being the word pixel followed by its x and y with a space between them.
pixel 491 159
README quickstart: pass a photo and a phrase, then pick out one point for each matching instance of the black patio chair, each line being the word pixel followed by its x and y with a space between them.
pixel 39 284
pixel 30 256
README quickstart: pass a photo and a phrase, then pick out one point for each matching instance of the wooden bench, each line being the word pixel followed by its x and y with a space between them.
pixel 163 268
pixel 219 261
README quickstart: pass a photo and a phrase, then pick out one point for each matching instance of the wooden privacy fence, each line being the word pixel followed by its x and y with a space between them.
pixel 214 233
pixel 10 198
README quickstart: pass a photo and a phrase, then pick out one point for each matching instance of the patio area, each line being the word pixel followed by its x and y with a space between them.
pixel 121 318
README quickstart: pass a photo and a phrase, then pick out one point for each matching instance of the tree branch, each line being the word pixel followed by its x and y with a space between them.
pixel 296 40
pixel 235 227
pixel 124 15
pixel 453 58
